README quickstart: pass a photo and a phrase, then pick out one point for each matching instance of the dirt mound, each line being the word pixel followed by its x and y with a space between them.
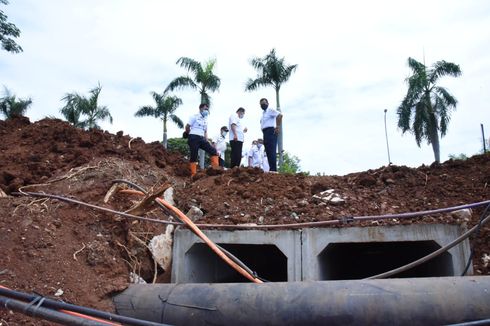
pixel 49 245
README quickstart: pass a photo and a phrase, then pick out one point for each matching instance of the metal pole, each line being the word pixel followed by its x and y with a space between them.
pixel 483 137
pixel 386 136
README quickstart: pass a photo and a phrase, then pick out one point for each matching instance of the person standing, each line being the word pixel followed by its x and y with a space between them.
pixel 220 144
pixel 236 136
pixel 197 138
pixel 270 124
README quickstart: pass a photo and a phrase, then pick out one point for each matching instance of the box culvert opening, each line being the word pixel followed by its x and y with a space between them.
pixel 346 261
pixel 204 266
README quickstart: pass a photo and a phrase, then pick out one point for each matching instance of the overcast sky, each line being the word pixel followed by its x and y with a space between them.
pixel 351 57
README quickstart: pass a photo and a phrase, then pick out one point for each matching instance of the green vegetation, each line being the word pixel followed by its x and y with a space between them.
pixel 11 106
pixel 271 71
pixel 78 105
pixel 290 164
pixel 164 109
pixel 426 109
pixel 8 32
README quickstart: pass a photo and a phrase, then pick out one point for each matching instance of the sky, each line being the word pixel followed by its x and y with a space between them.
pixel 351 61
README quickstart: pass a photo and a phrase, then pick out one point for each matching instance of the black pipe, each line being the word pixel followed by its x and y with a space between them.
pixel 416 301
pixel 53 304
pixel 46 314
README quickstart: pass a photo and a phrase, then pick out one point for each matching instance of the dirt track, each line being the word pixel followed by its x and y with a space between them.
pixel 49 245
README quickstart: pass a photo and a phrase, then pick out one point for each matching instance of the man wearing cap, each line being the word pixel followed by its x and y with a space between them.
pixel 220 144
pixel 197 138
pixel 236 136
pixel 270 123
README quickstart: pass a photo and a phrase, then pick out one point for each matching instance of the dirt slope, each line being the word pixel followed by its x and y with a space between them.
pixel 48 245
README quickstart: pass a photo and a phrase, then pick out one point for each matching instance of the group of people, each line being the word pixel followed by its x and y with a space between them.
pixel 263 151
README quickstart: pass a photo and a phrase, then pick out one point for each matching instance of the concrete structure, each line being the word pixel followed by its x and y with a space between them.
pixel 319 253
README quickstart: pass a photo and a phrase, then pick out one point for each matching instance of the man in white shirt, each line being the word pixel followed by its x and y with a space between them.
pixel 270 123
pixel 196 132
pixel 265 162
pixel 237 131
pixel 219 143
pixel 255 156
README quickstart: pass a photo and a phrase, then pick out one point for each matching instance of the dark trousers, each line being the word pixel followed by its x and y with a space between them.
pixel 221 162
pixel 195 143
pixel 236 153
pixel 270 144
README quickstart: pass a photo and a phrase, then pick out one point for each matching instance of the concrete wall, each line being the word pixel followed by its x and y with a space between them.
pixel 304 249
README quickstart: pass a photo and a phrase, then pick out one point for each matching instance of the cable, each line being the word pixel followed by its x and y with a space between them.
pixel 108 210
pixel 48 314
pixel 70 308
pixel 477 232
pixel 265 226
pixel 430 256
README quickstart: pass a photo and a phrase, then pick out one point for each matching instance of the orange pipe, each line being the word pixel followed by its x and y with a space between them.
pixel 201 235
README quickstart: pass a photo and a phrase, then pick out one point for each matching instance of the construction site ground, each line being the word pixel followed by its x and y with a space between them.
pixel 85 256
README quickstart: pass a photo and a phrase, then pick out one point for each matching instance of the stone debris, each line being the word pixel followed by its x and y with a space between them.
pixel 161 248
pixel 194 213
pixel 136 279
pixel 329 196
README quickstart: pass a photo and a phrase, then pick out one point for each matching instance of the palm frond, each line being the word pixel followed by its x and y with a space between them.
pixel 180 83
pixel 190 64
pixel 177 121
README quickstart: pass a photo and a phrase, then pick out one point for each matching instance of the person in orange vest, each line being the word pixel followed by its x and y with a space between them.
pixel 196 132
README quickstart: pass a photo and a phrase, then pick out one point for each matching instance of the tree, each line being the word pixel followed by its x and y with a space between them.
pixel 11 106
pixel 8 32
pixel 426 109
pixel 164 109
pixel 203 79
pixel 272 71
pixel 290 165
pixel 77 105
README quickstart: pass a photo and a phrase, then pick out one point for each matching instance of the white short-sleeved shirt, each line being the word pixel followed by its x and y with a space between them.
pixel 220 144
pixel 199 124
pixel 234 119
pixel 265 161
pixel 269 118
pixel 256 154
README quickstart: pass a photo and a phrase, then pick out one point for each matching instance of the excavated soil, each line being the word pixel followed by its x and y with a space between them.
pixel 86 255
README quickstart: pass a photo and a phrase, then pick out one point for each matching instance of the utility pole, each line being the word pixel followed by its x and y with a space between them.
pixel 386 136
pixel 483 137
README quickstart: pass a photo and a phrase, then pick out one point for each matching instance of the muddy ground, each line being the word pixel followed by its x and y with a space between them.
pixel 50 246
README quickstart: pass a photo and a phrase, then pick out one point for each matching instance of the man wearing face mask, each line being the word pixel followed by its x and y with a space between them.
pixel 220 144
pixel 236 136
pixel 265 162
pixel 197 138
pixel 270 123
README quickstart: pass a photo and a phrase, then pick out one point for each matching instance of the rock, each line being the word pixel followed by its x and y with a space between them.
pixel 294 216
pixel 168 196
pixel 194 213
pixel 485 259
pixel 337 201
pixel 161 248
pixel 462 214
pixel 58 293
pixel 303 203
pixel 226 205
pixel 261 219
pixel 136 279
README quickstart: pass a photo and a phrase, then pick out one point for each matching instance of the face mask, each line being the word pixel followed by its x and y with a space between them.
pixel 264 106
pixel 259 145
pixel 240 115
pixel 223 133
pixel 204 113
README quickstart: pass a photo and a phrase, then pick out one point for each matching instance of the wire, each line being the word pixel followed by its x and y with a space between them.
pixel 477 232
pixel 108 210
pixel 72 309
pixel 430 256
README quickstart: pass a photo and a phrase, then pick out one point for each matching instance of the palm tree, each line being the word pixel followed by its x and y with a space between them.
pixel 272 71
pixel 11 106
pixel 203 78
pixel 425 111
pixel 77 105
pixel 165 108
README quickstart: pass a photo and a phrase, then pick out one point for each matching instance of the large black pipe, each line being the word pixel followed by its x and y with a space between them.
pixel 415 301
